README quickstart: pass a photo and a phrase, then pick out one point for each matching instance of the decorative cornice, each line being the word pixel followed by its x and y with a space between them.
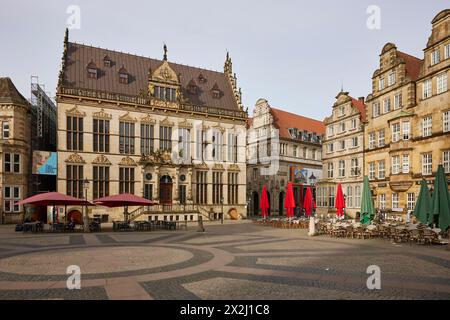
pixel 185 124
pixel 166 122
pixel 218 166
pixel 233 167
pixel 75 158
pixel 102 115
pixel 127 118
pixel 148 119
pixel 102 159
pixel 76 112
pixel 218 127
pixel 202 166
pixel 127 161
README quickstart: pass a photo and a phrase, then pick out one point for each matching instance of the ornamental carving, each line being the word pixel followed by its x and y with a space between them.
pixel 219 128
pixel 185 124
pixel 127 118
pixel 148 119
pixel 233 167
pixel 102 115
pixel 76 112
pixel 157 157
pixel 202 166
pixel 75 158
pixel 164 73
pixel 218 166
pixel 166 122
pixel 127 161
pixel 102 159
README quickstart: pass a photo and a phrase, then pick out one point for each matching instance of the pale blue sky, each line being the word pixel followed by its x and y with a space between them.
pixel 296 54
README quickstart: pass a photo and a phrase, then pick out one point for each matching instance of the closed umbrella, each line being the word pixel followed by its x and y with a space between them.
pixel 264 203
pixel 440 209
pixel 289 203
pixel 339 201
pixel 367 209
pixel 309 204
pixel 422 209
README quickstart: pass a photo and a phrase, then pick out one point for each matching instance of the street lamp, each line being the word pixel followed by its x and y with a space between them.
pixel 221 202
pixel 86 216
pixel 312 181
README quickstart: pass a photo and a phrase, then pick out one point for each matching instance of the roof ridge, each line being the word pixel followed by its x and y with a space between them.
pixel 142 56
pixel 409 55
pixel 295 114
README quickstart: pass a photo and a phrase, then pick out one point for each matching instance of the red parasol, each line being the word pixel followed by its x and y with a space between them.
pixel 289 203
pixel 53 199
pixel 309 204
pixel 123 200
pixel 264 205
pixel 340 201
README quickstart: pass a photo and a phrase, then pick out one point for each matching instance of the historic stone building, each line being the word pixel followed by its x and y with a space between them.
pixel 407 132
pixel 165 131
pixel 281 147
pixel 15 150
pixel 343 155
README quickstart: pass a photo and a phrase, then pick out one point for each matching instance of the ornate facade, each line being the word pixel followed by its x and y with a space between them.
pixel 343 154
pixel 15 151
pixel 281 147
pixel 168 132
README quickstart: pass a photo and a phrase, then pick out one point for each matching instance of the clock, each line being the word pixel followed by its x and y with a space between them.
pixel 148 176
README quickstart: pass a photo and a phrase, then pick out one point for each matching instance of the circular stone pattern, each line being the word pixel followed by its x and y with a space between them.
pixel 94 260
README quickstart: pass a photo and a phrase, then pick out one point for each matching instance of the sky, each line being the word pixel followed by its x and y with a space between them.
pixel 295 54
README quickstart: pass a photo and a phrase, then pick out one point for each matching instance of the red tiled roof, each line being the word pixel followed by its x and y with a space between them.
pixel 79 56
pixel 361 107
pixel 413 65
pixel 284 120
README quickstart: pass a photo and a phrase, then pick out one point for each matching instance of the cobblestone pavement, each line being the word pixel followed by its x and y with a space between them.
pixel 237 260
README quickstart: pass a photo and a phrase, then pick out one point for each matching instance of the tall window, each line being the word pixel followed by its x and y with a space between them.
pixel 184 143
pixel 381 138
pixel 395 201
pixel 101 182
pixel 405 163
pixel 411 201
pixel 446 121
pixel 217 187
pixel 200 137
pixel 447 51
pixel 381 84
pixel 395 132
pixel 126 137
pixel 353 123
pixel 74 133
pixel 330 147
pixel 342 144
pixel 341 168
pixel 387 105
pixel 427 126
pixel 406 130
pixel 382 201
pixel 427 162
pixel 165 138
pixel 435 57
pixel 167 94
pixel 12 162
pixel 101 135
pixel 372 144
pixel 441 81
pixel 74 181
pixel 446 161
pixel 395 165
pixel 330 169
pixel 426 89
pixel 126 180
pixel 376 109
pixel 381 169
pixel 330 131
pixel 217 146
pixel 5 130
pixel 342 127
pixel 331 196
pixel 233 185
pixel 354 142
pixel 354 167
pixel 349 197
pixel 357 196
pixel 148 191
pixel 201 193
pixel 371 170
pixel 398 101
pixel 233 147
pixel 11 195
pixel 391 79
pixel 147 138
pixel 182 193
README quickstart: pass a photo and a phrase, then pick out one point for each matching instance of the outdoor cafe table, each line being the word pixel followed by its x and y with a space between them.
pixel 31 226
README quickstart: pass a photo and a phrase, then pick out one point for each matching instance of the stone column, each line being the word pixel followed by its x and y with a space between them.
pixel 189 185
pixel 156 192
pixel 176 183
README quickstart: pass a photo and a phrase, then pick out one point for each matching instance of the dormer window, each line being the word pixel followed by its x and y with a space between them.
pixel 92 70
pixel 123 75
pixel 107 62
pixel 192 87
pixel 216 93
pixel 201 78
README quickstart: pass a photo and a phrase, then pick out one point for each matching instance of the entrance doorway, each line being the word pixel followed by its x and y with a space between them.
pixel 255 203
pixel 165 190
pixel 281 203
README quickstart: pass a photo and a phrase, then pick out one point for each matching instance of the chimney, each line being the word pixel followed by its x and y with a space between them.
pixel 361 99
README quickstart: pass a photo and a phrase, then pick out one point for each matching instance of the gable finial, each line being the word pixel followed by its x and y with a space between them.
pixel 165 52
pixel 342 86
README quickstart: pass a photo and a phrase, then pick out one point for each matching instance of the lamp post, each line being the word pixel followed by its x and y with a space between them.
pixel 312 182
pixel 86 216
pixel 221 202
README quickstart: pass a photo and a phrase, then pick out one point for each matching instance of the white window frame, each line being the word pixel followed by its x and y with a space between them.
pixel 354 166
pixel 387 105
pixel 427 164
pixel 12 199
pixel 395 136
pixel 447 51
pixel 382 201
pixel 381 138
pixel 405 163
pixel 446 121
pixel 5 130
pixel 341 169
pixel 395 200
pixel 395 164
pixel 406 130
pixel 410 201
pixel 427 123
pixel 381 169
pixel 371 170
pixel 427 87
pixel 376 109
pixel 446 160
pixel 330 169
pixel 354 142
pixel 372 144
pixel 435 57
pixel 381 84
pixel 357 196
pixel 349 199
pixel 353 123
pixel 391 79
pixel 397 101
pixel 441 83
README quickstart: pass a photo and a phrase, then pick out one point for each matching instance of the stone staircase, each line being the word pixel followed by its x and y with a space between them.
pixel 173 212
